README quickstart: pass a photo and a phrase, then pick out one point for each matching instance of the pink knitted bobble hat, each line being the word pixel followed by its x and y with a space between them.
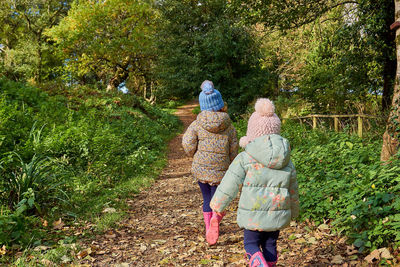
pixel 262 122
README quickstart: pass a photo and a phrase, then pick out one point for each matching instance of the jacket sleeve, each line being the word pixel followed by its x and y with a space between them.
pixel 233 144
pixel 294 194
pixel 229 186
pixel 190 140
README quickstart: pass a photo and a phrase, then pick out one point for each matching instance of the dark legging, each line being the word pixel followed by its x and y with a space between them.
pixel 208 192
pixel 254 240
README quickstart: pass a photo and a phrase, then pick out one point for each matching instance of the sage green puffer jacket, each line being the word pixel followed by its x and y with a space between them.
pixel 269 197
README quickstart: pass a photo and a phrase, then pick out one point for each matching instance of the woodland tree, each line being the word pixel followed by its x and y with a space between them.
pixel 361 36
pixel 26 53
pixel 391 136
pixel 109 39
pixel 200 40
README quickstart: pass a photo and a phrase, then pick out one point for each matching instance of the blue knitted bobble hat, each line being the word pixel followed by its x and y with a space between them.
pixel 209 98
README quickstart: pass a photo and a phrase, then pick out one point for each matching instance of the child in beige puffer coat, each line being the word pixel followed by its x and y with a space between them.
pixel 212 141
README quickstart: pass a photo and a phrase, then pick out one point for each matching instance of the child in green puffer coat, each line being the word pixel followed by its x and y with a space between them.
pixel 269 197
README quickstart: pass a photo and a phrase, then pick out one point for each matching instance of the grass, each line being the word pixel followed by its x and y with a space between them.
pixel 63 250
pixel 106 149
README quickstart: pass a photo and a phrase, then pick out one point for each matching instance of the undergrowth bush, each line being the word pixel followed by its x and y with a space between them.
pixel 60 150
pixel 342 181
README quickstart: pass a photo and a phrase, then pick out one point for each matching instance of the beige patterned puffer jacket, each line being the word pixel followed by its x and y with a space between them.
pixel 212 142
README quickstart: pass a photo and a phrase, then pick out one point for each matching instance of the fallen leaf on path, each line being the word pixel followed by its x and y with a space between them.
pixel 323 227
pixel 46 262
pixel 160 241
pixel 385 253
pixel 338 259
pixel 354 263
pixel 83 253
pixel 300 241
pixel 164 261
pixel 143 248
pixel 351 250
pixel 40 248
pixel 235 257
pixel 312 240
pixel 109 210
pixel 58 224
pixel 317 236
pixel 373 257
pixel 110 235
pixel 65 259
pixel 3 250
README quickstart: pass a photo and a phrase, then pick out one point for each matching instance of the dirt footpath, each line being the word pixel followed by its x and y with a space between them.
pixel 165 228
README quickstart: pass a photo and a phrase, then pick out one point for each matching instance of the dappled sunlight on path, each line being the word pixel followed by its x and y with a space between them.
pixel 165 228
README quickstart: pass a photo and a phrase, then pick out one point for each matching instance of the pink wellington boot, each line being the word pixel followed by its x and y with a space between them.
pixel 213 232
pixel 257 259
pixel 207 217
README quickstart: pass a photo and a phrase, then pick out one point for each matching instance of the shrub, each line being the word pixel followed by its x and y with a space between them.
pixel 59 151
pixel 342 180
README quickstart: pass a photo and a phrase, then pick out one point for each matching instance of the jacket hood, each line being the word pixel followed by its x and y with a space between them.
pixel 270 150
pixel 214 122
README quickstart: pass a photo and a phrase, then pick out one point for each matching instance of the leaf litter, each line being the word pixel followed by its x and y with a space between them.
pixel 165 228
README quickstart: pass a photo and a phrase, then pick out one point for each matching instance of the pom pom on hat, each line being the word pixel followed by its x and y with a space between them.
pixel 262 122
pixel 210 98
pixel 265 107
pixel 207 87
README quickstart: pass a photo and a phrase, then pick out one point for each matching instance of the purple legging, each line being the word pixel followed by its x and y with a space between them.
pixel 208 192
pixel 265 242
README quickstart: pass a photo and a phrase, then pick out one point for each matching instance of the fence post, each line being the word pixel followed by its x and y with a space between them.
pixel 336 123
pixel 314 122
pixel 360 126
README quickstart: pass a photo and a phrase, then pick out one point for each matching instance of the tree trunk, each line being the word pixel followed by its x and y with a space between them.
pixel 387 86
pixel 119 76
pixel 389 68
pixel 148 87
pixel 38 75
pixel 390 144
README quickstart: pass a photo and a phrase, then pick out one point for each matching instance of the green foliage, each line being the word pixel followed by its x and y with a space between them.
pixel 342 180
pixel 282 14
pixel 106 40
pixel 15 227
pixel 35 176
pixel 72 151
pixel 199 41
pixel 25 52
pixel 332 53
pixel 352 59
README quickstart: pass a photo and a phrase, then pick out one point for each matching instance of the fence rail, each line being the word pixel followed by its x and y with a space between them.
pixel 360 118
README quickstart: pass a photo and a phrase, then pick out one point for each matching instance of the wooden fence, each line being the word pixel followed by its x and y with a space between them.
pixel 336 118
